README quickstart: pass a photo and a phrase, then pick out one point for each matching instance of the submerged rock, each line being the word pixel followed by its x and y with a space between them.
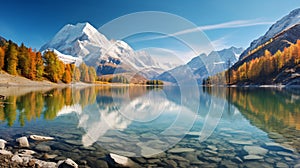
pixel 40 138
pixel 282 165
pixel 252 157
pixel 213 159
pixel 237 159
pixel 23 142
pixel 74 142
pixel 277 147
pixel 102 164
pixel 181 150
pixel 214 148
pixel 297 165
pixel 43 148
pixel 171 163
pixel 241 142
pixel 255 150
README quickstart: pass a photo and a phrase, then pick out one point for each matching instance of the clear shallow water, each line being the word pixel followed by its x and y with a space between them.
pixel 170 126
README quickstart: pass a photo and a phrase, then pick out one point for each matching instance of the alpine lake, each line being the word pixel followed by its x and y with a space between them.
pixel 163 126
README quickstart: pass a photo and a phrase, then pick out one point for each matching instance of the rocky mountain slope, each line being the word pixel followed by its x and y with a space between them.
pixel 197 68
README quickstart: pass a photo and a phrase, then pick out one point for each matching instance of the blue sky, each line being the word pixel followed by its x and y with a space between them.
pixel 226 23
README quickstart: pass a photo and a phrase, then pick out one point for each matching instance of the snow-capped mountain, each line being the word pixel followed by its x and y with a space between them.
pixel 202 66
pixel 78 40
pixel 107 56
pixel 285 23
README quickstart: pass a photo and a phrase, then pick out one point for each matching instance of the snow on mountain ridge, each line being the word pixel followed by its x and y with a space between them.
pixel 84 30
pixel 67 59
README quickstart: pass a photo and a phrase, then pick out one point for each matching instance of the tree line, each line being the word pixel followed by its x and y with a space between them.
pixel 23 61
pixel 114 79
pixel 154 82
pixel 260 70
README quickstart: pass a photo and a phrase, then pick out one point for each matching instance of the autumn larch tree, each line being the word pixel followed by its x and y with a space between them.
pixel 11 58
pixel 39 66
pixel 52 66
pixel 2 55
pixel 67 78
pixel 92 74
pixel 84 73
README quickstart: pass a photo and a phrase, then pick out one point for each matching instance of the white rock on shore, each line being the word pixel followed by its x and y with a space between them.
pixel 66 163
pixel 23 142
pixel 5 152
pixel 45 164
pixel 17 158
pixel 2 143
pixel 24 156
pixel 122 160
pixel 26 152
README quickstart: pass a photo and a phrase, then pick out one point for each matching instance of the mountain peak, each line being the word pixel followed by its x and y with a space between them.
pixel 86 28
pixel 72 38
pixel 83 24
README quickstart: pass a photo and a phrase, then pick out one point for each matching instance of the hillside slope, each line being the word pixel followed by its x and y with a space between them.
pixel 281 25
pixel 280 41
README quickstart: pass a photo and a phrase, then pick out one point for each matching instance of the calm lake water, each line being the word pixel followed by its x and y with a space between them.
pixel 158 126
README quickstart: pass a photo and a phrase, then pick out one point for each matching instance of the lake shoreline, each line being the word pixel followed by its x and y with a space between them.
pixel 7 80
pixel 253 86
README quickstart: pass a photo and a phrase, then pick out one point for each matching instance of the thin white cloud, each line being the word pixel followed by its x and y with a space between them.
pixel 171 56
pixel 231 24
pixel 225 25
pixel 220 43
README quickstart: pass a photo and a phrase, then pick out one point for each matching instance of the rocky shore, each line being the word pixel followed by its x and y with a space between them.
pixel 22 156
